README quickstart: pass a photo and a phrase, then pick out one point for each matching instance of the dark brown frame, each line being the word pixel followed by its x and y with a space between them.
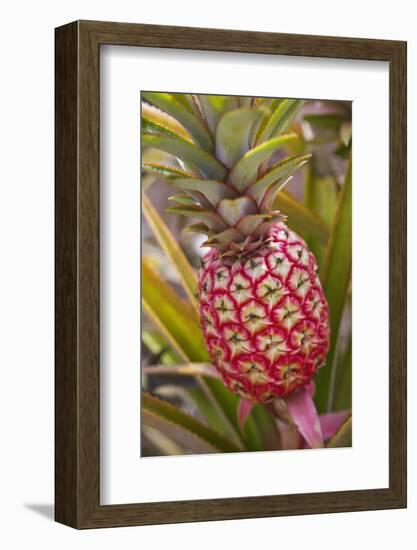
pixel 77 373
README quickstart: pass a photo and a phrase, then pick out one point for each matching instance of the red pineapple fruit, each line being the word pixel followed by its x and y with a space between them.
pixel 265 317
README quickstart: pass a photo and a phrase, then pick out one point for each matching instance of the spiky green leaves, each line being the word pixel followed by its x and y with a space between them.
pixel 213 190
pixel 166 171
pixel 233 135
pixel 276 174
pixel 214 106
pixel 196 129
pixel 155 121
pixel 223 146
pixel 189 153
pixel 233 210
pixel 279 119
pixel 211 219
pixel 245 170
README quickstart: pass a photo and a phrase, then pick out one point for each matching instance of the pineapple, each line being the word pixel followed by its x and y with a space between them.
pixel 263 311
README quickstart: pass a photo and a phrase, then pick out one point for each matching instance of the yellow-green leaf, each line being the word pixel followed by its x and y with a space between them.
pixel 336 277
pixel 188 153
pixel 159 347
pixel 320 197
pixel 175 317
pixel 171 248
pixel 188 369
pixel 245 169
pixel 279 172
pixel 280 119
pixel 165 171
pixel 343 382
pixel 213 417
pixel 214 106
pixel 182 428
pixel 300 218
pixel 155 121
pixel 232 135
pixel 194 126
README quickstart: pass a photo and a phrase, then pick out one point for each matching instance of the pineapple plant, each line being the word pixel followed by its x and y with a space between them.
pixel 265 325
pixel 262 308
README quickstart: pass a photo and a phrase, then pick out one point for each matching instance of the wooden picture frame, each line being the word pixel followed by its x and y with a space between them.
pixel 77 384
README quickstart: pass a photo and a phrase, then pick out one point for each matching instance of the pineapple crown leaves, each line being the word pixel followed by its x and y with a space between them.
pixel 213 190
pixel 214 106
pixel 166 171
pixel 199 159
pixel 233 135
pixel 197 130
pixel 246 169
pixel 155 121
pixel 280 119
pixel 279 172
pixel 223 146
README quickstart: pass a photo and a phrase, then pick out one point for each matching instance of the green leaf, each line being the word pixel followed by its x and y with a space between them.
pixel 214 106
pixel 228 403
pixel 225 237
pixel 222 424
pixel 336 278
pixel 320 196
pixel 279 171
pixel 232 135
pixel 343 437
pixel 188 120
pixel 187 101
pixel 198 228
pixel 183 199
pixel 232 210
pixel 164 445
pixel 267 428
pixel 170 246
pixel 252 436
pixel 166 171
pixel 219 403
pixel 252 223
pixel 187 369
pixel 189 153
pixel 280 119
pixel 148 126
pixel 300 218
pixel 343 381
pixel 174 317
pixel 158 346
pixel 212 219
pixel 182 428
pixel 208 411
pixel 246 168
pixel 213 190
pixel 156 121
pixel 324 120
pixel 267 106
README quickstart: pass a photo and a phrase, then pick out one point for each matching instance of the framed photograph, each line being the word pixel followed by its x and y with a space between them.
pixel 230 274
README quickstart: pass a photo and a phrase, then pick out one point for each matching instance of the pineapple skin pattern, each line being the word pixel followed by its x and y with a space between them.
pixel 265 318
